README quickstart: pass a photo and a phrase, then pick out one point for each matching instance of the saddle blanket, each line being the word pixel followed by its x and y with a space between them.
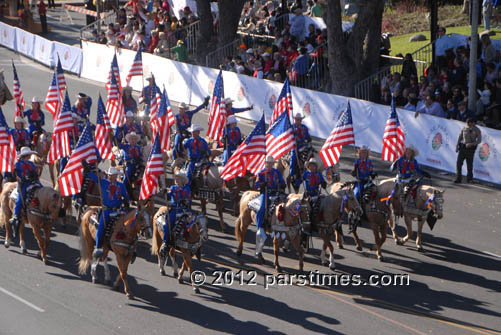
pixel 255 203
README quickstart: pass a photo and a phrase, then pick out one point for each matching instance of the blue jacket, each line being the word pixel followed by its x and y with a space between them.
pixel 20 135
pixel 176 194
pixel 83 111
pixel 196 148
pixel 233 110
pixel 120 132
pixel 149 93
pixel 407 168
pixel 302 135
pixel 312 181
pixel 112 193
pixel 131 152
pixel 36 118
pixel 184 121
pixel 364 168
pixel 24 169
pixel 234 137
pixel 273 179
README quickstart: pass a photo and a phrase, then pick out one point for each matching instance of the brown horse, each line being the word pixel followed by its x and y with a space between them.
pixel 331 211
pixel 237 185
pixel 123 242
pixel 193 239
pixel 287 219
pixel 42 148
pixel 42 211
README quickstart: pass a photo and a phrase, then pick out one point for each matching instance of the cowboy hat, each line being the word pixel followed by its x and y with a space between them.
pixel 413 149
pixel 231 119
pixel 364 148
pixel 182 105
pixel 26 151
pixel 228 101
pixel 18 119
pixel 149 76
pixel 298 116
pixel 129 114
pixel 249 51
pixel 130 135
pixel 269 159
pixel 113 171
pixel 311 161
pixel 182 176
pixel 195 127
pixel 36 99
pixel 81 95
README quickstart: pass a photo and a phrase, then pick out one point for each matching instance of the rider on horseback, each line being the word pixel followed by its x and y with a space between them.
pixel 312 182
pixel 230 110
pixel 269 183
pixel 130 104
pixel 130 126
pixel 132 158
pixel 362 170
pixel 180 200
pixel 197 149
pixel 36 119
pixel 303 138
pixel 409 172
pixel 82 106
pixel 183 122
pixel 20 135
pixel 114 196
pixel 232 138
pixel 27 177
pixel 148 93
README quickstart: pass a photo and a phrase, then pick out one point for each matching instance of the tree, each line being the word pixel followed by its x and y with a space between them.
pixel 229 16
pixel 355 56
pixel 206 28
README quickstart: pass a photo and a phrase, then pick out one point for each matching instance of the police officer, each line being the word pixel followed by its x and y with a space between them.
pixel 362 170
pixel 468 140
pixel 408 171
pixel 197 149
pixel 180 200
pixel 232 138
pixel 27 175
pixel 36 119
pixel 132 157
pixel 302 136
pixel 20 135
pixel 183 122
pixel 230 110
pixel 129 126
pixel 114 196
pixel 269 183
pixel 148 93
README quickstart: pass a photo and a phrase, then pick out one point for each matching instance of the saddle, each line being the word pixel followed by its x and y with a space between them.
pixel 255 203
pixel 179 230
pixel 109 225
pixel 30 194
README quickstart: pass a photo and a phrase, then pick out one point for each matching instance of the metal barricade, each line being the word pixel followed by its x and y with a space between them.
pixel 216 57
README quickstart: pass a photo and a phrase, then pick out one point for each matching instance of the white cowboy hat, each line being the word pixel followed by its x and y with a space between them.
pixel 364 148
pixel 228 101
pixel 184 178
pixel 298 116
pixel 26 151
pixel 18 119
pixel 269 159
pixel 113 171
pixel 266 54
pixel 130 135
pixel 311 161
pixel 182 105
pixel 250 51
pixel 149 76
pixel 36 99
pixel 412 148
pixel 81 95
pixel 195 127
pixel 231 119
pixel 129 114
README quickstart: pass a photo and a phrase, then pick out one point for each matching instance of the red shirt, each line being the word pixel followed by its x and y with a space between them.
pixel 42 9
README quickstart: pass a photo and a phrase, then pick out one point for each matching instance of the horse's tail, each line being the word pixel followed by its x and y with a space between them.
pixel 238 228
pixel 85 260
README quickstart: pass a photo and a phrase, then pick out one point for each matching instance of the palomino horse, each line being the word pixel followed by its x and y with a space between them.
pixel 332 208
pixel 42 210
pixel 123 242
pixel 192 240
pixel 428 206
pixel 286 221
pixel 42 147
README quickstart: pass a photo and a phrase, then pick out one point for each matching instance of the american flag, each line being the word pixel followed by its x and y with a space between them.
pixel 54 96
pixel 155 103
pixel 103 131
pixel 136 68
pixel 217 112
pixel 7 146
pixel 18 94
pixel 60 146
pixel 341 135
pixel 116 71
pixel 154 168
pixel 115 114
pixel 280 137
pixel 117 90
pixel 163 121
pixel 70 181
pixel 393 138
pixel 284 102
pixel 249 155
pixel 60 76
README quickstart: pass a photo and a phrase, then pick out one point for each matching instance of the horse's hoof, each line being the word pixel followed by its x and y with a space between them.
pixel 162 272
pixel 44 261
pixel 260 259
pixel 420 249
pixel 6 244
pixel 359 248
pixel 196 290
pixel 175 274
pixel 399 242
pixel 24 252
pixel 180 280
pixel 380 258
pixel 332 266
pixel 130 296
pixel 278 268
pixel 93 280
pixel 340 246
pixel 324 263
pixel 239 253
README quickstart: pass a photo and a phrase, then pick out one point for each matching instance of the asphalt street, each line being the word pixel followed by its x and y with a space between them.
pixel 454 285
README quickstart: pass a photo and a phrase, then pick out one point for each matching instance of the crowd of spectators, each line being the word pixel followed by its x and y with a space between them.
pixel 443 88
